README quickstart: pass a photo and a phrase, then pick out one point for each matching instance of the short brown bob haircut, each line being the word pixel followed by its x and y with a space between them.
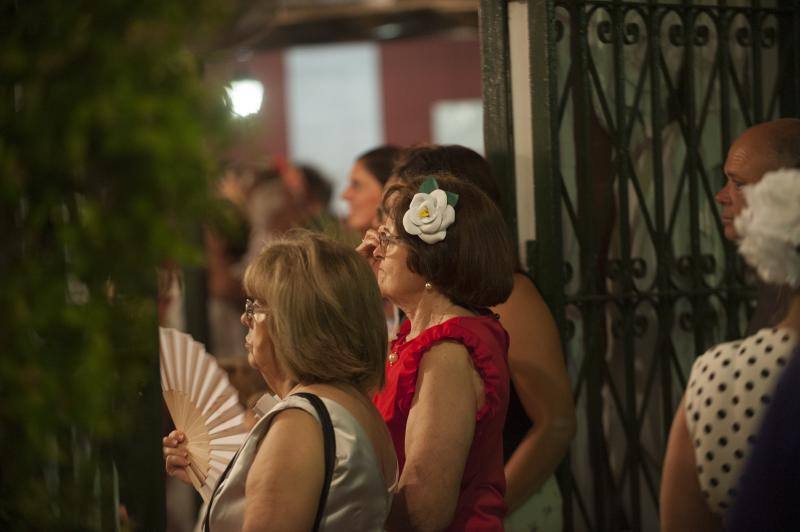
pixel 325 315
pixel 473 266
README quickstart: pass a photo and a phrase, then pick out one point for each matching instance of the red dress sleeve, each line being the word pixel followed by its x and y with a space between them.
pixel 480 503
pixel 477 340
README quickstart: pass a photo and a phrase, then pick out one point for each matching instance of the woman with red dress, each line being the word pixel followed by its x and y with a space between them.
pixel 444 256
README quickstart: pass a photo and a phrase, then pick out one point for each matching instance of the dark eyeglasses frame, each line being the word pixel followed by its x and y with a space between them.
pixel 384 238
pixel 251 308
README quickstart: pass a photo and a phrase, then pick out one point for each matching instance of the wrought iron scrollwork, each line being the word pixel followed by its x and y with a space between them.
pixel 686 264
pixel 569 330
pixel 701 35
pixel 686 321
pixel 676 35
pixel 679 35
pixel 640 326
pixel 707 318
pixel 605 32
pixel 768 35
pixel 559 28
pixel 744 37
pixel 631 32
pixel 708 263
pixel 678 94
pixel 614 269
pixel 638 267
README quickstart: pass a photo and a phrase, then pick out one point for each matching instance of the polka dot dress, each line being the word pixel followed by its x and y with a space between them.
pixel 729 390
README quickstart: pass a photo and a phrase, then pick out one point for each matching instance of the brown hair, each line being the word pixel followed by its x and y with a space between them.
pixel 380 161
pixel 453 160
pixel 325 315
pixel 473 266
pixel 449 159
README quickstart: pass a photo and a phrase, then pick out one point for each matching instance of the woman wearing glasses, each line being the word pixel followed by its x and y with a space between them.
pixel 444 256
pixel 540 422
pixel 315 327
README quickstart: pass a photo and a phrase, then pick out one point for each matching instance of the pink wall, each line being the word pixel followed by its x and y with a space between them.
pixel 262 137
pixel 416 73
pixel 270 68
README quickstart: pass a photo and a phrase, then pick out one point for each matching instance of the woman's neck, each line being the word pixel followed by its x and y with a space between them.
pixel 792 318
pixel 428 309
pixel 283 387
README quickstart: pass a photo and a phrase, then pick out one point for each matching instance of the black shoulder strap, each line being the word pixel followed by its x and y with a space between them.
pixel 330 459
pixel 330 450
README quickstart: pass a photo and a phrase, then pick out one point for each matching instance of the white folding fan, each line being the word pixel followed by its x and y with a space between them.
pixel 203 405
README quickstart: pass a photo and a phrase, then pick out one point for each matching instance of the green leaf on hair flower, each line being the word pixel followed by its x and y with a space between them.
pixel 429 185
pixel 452 198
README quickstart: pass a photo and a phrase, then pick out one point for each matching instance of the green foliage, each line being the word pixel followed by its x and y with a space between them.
pixel 108 138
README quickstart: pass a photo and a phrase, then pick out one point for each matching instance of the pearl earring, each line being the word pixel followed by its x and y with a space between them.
pixel 428 286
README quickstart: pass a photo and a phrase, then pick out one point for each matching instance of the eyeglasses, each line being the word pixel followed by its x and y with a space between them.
pixel 384 238
pixel 251 308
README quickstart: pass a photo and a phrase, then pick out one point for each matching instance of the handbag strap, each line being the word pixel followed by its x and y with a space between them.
pixel 330 450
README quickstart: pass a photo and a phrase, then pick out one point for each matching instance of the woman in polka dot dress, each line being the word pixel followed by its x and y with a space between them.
pixel 732 384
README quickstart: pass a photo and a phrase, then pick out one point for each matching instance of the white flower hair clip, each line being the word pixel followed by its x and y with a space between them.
pixel 769 227
pixel 431 212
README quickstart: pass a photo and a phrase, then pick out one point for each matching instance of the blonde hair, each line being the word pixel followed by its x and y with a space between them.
pixel 324 310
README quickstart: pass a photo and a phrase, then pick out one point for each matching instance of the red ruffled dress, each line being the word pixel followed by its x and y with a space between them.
pixel 480 502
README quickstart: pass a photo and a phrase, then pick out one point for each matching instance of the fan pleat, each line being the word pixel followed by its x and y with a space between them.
pixel 203 405
pixel 224 416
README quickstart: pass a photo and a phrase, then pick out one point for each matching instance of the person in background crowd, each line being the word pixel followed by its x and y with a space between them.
pixel 314 329
pixel 541 415
pixel 363 194
pixel 762 148
pixel 315 213
pixel 365 189
pixel 255 198
pixel 444 256
pixel 731 385
pixel 318 191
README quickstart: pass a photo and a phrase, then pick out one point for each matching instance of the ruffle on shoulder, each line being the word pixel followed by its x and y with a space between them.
pixel 480 350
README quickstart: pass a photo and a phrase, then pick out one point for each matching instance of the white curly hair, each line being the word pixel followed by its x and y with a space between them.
pixel 770 227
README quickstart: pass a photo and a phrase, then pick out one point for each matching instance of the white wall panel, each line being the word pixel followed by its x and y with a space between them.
pixel 335 108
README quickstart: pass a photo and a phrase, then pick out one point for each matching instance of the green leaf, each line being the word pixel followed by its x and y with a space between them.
pixel 452 198
pixel 429 185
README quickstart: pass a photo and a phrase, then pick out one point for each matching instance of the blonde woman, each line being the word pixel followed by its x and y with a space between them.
pixel 315 328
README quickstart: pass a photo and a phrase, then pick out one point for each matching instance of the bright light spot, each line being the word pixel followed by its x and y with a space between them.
pixel 246 96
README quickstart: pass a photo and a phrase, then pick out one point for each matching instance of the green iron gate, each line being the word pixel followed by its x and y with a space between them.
pixel 634 106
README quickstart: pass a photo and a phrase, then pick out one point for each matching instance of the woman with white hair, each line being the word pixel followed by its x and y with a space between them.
pixel 732 384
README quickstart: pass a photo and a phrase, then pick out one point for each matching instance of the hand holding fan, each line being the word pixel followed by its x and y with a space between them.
pixel 203 405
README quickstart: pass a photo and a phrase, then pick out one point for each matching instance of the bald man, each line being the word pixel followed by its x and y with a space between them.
pixel 762 148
